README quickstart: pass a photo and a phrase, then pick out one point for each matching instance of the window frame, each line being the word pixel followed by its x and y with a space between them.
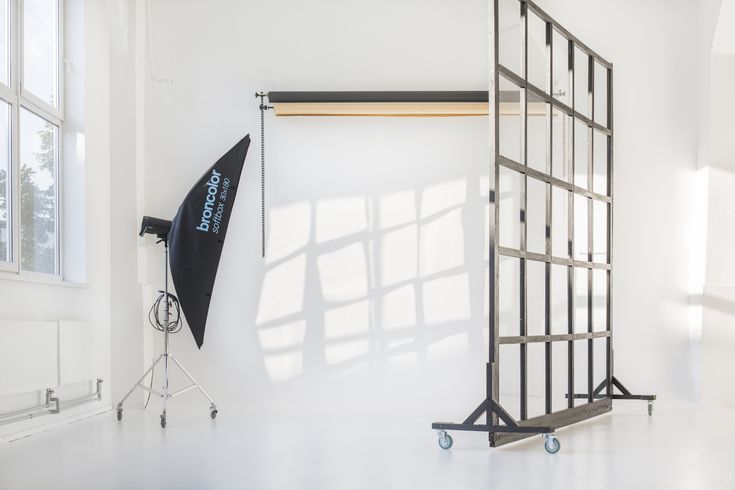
pixel 18 98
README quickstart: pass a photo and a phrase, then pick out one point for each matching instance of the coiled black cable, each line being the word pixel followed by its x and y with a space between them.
pixel 155 314
pixel 155 318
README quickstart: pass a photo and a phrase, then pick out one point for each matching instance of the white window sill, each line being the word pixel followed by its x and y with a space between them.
pixel 46 279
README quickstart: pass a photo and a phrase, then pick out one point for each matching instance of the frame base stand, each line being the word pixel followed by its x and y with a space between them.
pixel 513 430
pixel 494 412
pixel 624 394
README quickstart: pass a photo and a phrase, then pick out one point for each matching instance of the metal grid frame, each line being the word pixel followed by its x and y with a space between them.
pixel 598 398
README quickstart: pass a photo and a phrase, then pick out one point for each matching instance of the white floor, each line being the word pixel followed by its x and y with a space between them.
pixel 683 447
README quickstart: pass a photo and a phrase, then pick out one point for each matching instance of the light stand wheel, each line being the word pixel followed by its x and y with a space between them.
pixel 213 412
pixel 119 414
pixel 163 421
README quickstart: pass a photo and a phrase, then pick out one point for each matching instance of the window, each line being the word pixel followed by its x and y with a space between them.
pixel 31 123
pixel 4 182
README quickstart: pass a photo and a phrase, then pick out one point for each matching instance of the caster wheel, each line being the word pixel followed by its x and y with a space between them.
pixel 119 415
pixel 213 414
pixel 552 444
pixel 650 408
pixel 445 441
pixel 163 422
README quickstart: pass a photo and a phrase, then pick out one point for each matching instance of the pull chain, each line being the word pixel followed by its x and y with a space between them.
pixel 262 108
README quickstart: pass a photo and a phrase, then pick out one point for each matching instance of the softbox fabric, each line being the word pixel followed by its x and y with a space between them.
pixel 198 234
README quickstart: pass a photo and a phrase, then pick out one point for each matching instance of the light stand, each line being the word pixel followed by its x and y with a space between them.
pixel 160 228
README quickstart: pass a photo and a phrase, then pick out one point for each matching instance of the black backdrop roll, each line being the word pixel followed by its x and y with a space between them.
pixel 198 234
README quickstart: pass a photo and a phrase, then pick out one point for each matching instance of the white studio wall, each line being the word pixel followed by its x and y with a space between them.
pixel 374 283
pixel 56 334
pixel 718 328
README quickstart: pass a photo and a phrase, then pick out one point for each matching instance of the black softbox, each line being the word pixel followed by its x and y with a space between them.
pixel 198 234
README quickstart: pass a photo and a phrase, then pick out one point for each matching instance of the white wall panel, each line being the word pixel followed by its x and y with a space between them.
pixel 718 339
pixel 28 356
pixel 83 351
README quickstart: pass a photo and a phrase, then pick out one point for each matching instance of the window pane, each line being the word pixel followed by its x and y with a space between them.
pixel 581 238
pixel 559 222
pixel 38 142
pixel 509 228
pixel 536 297
pixel 511 134
pixel 561 69
pixel 600 94
pixel 538 65
pixel 581 320
pixel 581 377
pixel 509 48
pixel 536 215
pixel 582 136
pixel 4 42
pixel 5 225
pixel 40 49
pixel 559 373
pixel 509 296
pixel 599 163
pixel 599 360
pixel 537 126
pixel 599 300
pixel 599 238
pixel 561 150
pixel 559 299
pixel 581 82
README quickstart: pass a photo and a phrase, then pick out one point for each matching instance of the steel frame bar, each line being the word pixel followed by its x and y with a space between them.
pixel 590 225
pixel 520 254
pixel 492 371
pixel 559 419
pixel 548 167
pixel 528 339
pixel 523 327
pixel 624 394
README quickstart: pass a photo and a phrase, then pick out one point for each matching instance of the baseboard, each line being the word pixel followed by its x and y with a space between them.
pixel 54 425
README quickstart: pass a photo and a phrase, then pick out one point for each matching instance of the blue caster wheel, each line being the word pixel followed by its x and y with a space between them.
pixel 551 444
pixel 445 440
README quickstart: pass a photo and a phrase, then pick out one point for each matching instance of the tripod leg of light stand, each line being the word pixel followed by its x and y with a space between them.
pixel 213 406
pixel 136 385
